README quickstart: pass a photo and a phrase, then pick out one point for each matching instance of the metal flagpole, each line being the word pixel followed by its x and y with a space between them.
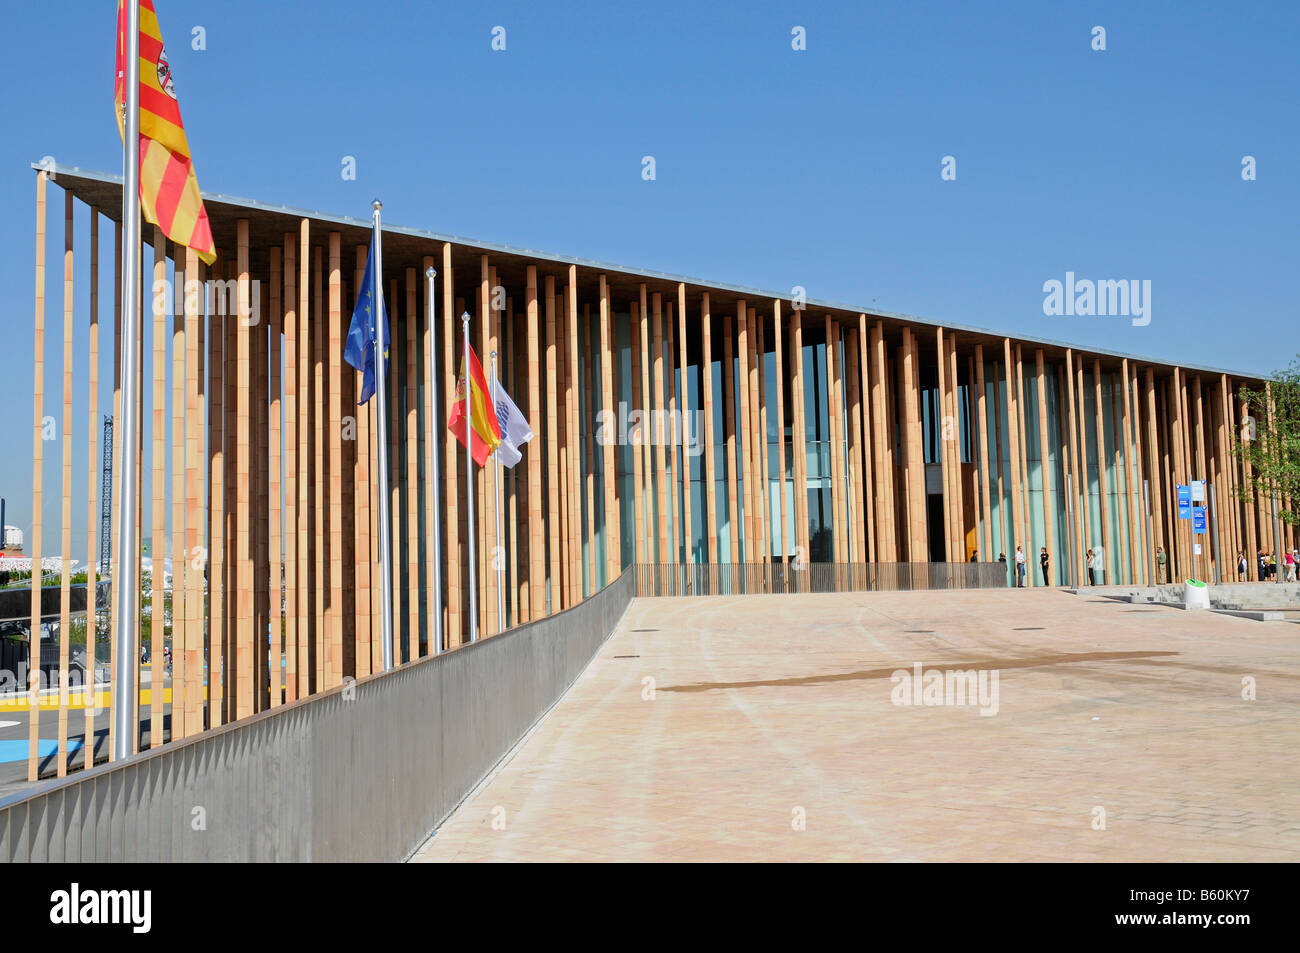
pixel 500 567
pixel 385 541
pixel 435 529
pixel 127 584
pixel 469 480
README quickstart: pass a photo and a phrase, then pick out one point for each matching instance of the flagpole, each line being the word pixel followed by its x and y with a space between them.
pixel 435 529
pixel 126 583
pixel 469 481
pixel 385 540
pixel 496 493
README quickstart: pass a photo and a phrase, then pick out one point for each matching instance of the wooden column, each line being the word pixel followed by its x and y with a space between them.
pixel 853 407
pixel 1131 508
pixel 758 369
pixel 941 424
pixel 917 548
pixel 754 439
pixel 1103 481
pixel 871 548
pixel 613 532
pixel 588 429
pixel 292 381
pixel 432 432
pixel 688 533
pixel 369 656
pixel 784 537
pixel 981 410
pixel 659 480
pixel 707 410
pixel 729 429
pixel 799 434
pixel 574 488
pixel 1013 436
pixel 636 435
pixel 411 390
pixel 1045 465
pixel 883 439
pixel 65 509
pixel 536 530
pixel 552 450
pixel 334 664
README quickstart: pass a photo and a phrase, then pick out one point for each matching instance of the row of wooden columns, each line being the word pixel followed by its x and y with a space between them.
pixel 265 392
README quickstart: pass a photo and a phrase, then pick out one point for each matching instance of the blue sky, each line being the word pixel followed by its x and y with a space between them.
pixel 774 168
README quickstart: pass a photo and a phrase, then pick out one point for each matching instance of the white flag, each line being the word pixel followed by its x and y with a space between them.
pixel 515 431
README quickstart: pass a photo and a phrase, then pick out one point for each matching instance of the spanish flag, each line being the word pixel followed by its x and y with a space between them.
pixel 482 415
pixel 169 189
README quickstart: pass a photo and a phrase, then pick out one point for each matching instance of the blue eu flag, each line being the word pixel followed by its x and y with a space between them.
pixel 360 349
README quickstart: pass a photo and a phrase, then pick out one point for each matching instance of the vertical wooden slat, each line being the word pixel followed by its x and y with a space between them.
pixel 954 399
pixel 552 451
pixel 195 517
pixel 613 532
pixel 334 489
pixel 412 394
pixel 706 413
pixel 871 540
pixel 1022 443
pixel 799 438
pixel 574 488
pixel 683 364
pixel 1044 463
pixel 758 401
pixel 279 320
pixel 944 415
pixel 917 546
pixel 981 410
pixel 292 381
pixel 1130 483
pixel 659 481
pixel 641 550
pixel 671 453
pixel 536 528
pixel 588 430
pixel 432 514
pixel 1103 480
pixel 646 488
pixel 853 407
pixel 729 422
pixel 883 440
pixel 93 571
pixel 65 509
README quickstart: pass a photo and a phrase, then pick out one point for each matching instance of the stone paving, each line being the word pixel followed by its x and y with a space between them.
pixel 766 728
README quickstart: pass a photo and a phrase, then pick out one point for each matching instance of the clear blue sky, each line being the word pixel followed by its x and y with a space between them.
pixel 775 168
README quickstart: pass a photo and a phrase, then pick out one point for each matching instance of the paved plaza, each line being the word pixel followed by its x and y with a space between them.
pixel 774 728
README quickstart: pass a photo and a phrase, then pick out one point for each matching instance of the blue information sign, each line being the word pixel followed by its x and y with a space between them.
pixel 1198 519
pixel 1184 501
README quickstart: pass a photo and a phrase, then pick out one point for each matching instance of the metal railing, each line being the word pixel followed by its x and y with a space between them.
pixel 726 579
pixel 363 772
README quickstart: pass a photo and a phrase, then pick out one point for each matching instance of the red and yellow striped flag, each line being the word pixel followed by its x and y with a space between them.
pixel 482 415
pixel 169 189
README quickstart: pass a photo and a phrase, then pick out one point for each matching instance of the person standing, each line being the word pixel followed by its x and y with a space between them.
pixel 1162 562
pixel 1045 562
pixel 1020 568
pixel 1092 568
pixel 1241 567
pixel 1289 563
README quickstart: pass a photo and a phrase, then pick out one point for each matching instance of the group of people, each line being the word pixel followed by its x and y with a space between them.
pixel 1267 564
pixel 1096 565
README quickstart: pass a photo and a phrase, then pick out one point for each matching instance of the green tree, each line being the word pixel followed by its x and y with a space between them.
pixel 1269 441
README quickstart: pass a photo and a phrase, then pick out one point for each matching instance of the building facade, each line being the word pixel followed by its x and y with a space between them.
pixel 676 422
